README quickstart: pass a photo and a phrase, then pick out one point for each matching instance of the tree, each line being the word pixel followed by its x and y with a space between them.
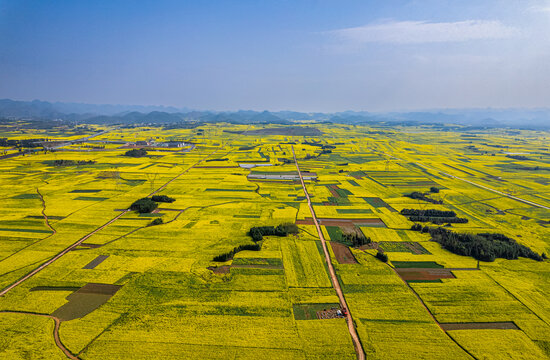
pixel 162 198
pixel 382 256
pixel 434 189
pixel 136 153
pixel 143 205
pixel 157 221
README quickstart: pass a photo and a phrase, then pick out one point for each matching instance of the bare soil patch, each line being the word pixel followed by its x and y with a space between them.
pixel 342 253
pixel 224 269
pixel 413 274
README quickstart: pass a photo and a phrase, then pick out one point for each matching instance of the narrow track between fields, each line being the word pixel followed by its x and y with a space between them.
pixel 333 278
pixel 84 238
pixel 56 338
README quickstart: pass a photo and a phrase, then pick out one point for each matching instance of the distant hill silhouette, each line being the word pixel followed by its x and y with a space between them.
pixel 138 114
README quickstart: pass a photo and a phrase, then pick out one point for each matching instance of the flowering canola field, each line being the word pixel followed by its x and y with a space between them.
pixel 174 301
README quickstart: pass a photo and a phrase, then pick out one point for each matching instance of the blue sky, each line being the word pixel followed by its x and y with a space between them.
pixel 278 55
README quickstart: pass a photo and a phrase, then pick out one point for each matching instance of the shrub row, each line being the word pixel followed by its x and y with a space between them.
pixel 428 212
pixel 229 255
pixel 162 198
pixel 258 232
pixel 484 247
pixel 136 153
pixel 420 196
pixel 439 220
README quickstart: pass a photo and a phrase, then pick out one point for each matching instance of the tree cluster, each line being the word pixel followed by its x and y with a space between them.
pixel 229 255
pixel 517 157
pixel 382 256
pixel 417 195
pixel 136 153
pixel 21 143
pixel 428 212
pixel 355 238
pixel 439 220
pixel 162 198
pixel 484 247
pixel 434 216
pixel 72 162
pixel 434 189
pixel 258 232
pixel 157 221
pixel 144 205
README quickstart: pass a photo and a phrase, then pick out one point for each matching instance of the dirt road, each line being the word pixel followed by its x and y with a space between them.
pixel 334 279
pixel 60 254
pixel 56 338
pixel 81 240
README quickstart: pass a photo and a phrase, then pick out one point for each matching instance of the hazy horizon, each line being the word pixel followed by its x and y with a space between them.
pixel 306 56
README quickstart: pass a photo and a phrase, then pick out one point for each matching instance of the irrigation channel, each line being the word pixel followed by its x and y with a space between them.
pixel 333 278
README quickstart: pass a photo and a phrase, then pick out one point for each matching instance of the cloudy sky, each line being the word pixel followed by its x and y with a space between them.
pixel 279 55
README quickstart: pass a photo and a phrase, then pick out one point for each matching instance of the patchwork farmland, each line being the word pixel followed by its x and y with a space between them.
pixel 89 272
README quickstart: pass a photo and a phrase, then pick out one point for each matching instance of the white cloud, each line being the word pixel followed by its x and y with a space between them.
pixel 417 32
pixel 541 8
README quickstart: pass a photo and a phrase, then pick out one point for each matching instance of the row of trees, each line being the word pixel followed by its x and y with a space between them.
pixel 72 162
pixel 434 216
pixel 517 157
pixel 417 195
pixel 428 212
pixel 439 220
pixel 162 198
pixel 484 247
pixel 257 234
pixel 21 143
pixel 229 255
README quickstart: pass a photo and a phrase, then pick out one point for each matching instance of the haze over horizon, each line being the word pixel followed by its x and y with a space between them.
pixel 313 56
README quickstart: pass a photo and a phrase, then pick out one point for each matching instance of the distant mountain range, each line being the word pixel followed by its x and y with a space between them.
pixel 137 114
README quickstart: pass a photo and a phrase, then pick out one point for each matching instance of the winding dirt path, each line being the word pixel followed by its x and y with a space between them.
pixel 334 279
pixel 60 254
pixel 44 213
pixel 56 338
pixel 84 238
